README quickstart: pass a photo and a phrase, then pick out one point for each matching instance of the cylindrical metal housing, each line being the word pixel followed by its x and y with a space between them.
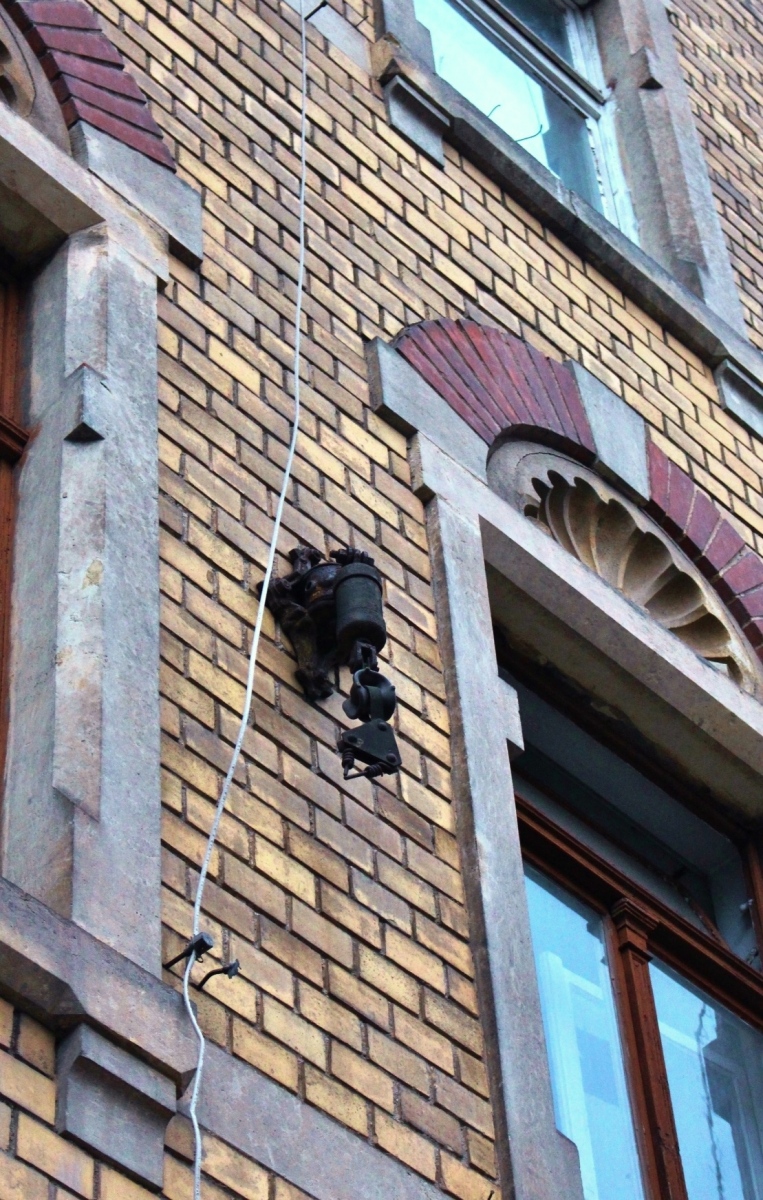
pixel 359 613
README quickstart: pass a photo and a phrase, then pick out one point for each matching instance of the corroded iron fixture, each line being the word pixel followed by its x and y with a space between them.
pixel 331 612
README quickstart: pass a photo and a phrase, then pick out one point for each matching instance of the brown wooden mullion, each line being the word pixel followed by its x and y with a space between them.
pixel 753 861
pixel 13 440
pixel 654 1111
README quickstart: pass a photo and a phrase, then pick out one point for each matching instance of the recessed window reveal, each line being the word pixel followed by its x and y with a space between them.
pixel 654 838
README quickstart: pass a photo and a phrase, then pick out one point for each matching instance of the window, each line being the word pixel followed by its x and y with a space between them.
pixel 532 67
pixel 644 937
pixel 587 1072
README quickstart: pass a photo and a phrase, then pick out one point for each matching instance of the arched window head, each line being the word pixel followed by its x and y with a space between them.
pixel 626 548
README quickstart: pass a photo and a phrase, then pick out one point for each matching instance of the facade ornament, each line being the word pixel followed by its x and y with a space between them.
pixel 626 548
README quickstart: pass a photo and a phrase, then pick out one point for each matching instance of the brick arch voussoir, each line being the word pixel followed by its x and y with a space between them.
pixel 500 385
pixel 504 388
pixel 699 527
pixel 87 73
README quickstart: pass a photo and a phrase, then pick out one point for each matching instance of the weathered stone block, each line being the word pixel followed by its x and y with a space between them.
pixel 113 1104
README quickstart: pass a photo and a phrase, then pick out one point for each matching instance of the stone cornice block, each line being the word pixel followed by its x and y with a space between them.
pixel 173 204
pixel 63 976
pixel 113 1104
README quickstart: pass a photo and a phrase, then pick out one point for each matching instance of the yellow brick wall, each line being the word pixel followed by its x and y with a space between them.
pixel 37 1164
pixel 721 45
pixel 343 902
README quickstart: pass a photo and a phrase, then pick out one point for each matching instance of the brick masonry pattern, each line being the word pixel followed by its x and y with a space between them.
pixel 498 383
pixel 37 1164
pixel 344 903
pixel 721 44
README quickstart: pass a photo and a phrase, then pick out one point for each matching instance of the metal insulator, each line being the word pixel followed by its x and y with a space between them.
pixel 359 612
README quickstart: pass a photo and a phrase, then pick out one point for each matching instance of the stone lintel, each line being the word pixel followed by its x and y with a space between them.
pixel 113 1104
pixel 700 717
pixel 67 198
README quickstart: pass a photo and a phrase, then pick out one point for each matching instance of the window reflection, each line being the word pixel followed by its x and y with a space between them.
pixel 585 1056
pixel 529 111
pixel 545 19
pixel 714 1062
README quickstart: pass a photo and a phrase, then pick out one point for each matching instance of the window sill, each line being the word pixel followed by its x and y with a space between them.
pixel 424 108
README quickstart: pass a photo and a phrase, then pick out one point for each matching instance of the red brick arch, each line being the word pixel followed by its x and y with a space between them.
pixel 500 385
pixel 88 74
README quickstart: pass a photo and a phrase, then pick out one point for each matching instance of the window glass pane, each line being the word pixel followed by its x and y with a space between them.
pixel 527 110
pixel 546 20
pixel 714 1062
pixel 590 1097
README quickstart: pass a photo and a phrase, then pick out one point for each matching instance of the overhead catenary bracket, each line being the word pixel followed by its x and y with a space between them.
pixel 332 612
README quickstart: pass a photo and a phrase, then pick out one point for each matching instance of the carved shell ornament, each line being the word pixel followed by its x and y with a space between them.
pixel 16 84
pixel 624 547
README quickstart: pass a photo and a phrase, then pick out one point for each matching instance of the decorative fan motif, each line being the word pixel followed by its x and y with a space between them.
pixel 501 386
pixel 497 382
pixel 88 73
pixel 624 547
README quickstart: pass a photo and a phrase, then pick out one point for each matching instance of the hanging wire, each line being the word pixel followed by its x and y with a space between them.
pixel 260 613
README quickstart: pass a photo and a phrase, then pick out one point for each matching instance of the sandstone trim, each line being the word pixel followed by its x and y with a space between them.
pixel 652 286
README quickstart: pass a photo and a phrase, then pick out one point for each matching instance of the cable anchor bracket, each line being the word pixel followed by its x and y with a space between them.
pixel 372 700
pixel 198 947
pixel 231 971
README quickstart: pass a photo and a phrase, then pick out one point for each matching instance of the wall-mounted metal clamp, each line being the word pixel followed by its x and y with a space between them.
pixel 372 700
pixel 198 946
pixel 231 971
pixel 333 615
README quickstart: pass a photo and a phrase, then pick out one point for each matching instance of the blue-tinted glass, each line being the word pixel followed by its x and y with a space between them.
pixel 714 1062
pixel 590 1097
pixel 531 113
pixel 546 20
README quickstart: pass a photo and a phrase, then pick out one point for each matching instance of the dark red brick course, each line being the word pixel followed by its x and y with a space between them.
pixel 88 75
pixel 712 542
pixel 702 525
pixel 724 545
pixel 500 385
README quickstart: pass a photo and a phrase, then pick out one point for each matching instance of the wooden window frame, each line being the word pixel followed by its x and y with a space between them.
pixel 638 927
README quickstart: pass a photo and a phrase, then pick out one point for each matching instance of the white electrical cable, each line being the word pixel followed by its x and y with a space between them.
pixel 260 613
